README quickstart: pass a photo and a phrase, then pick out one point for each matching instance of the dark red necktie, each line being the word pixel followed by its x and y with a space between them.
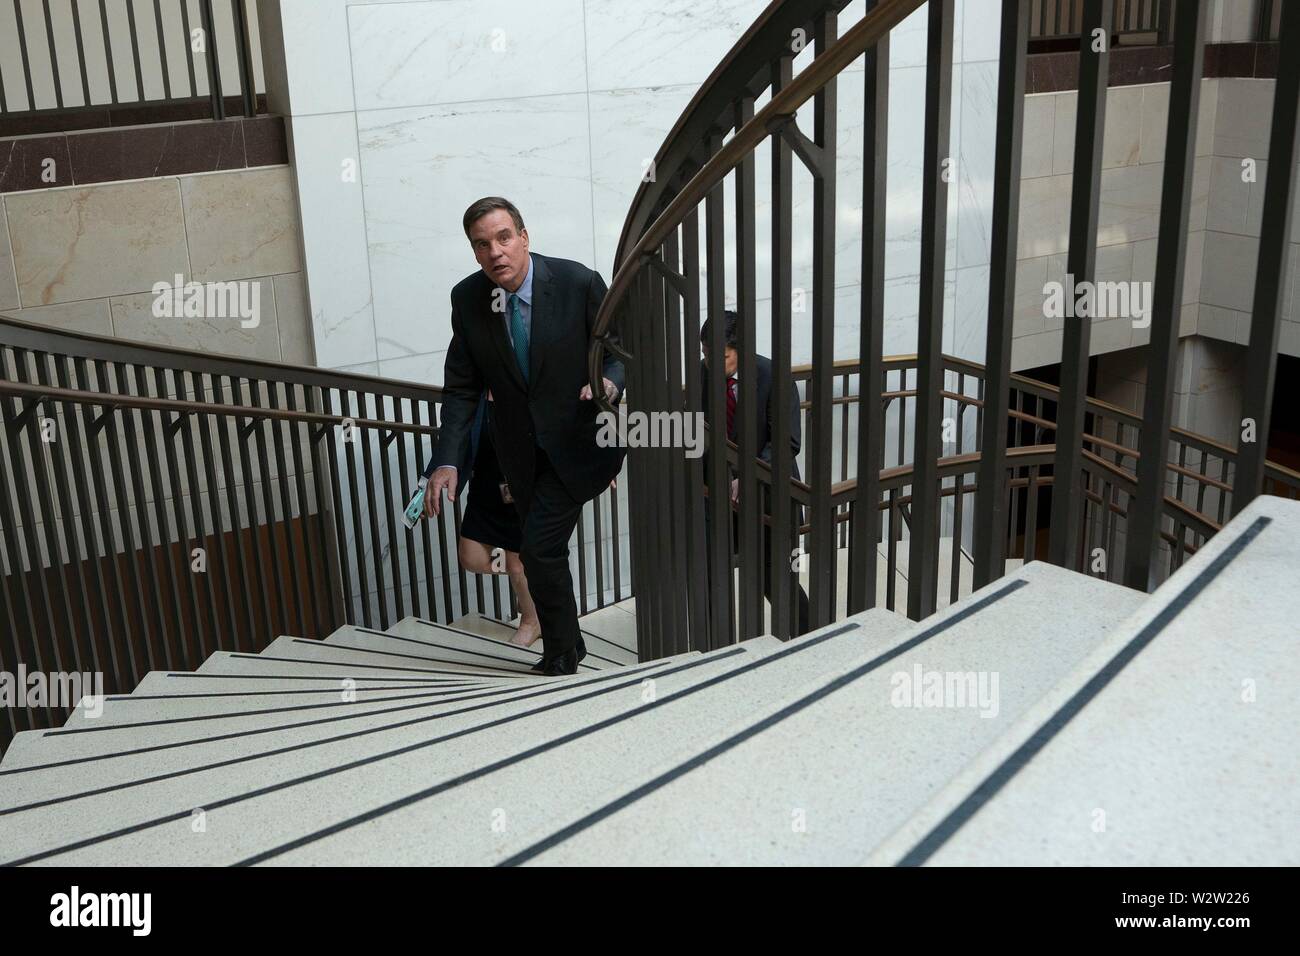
pixel 731 406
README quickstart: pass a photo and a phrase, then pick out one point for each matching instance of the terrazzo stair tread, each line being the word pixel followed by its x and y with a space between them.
pixel 293 648
pixel 132 710
pixel 831 769
pixel 46 749
pixel 254 804
pixel 414 636
pixel 233 664
pixel 674 729
pixel 477 647
pixel 115 759
pixel 1153 730
pixel 186 682
pixel 598 647
pixel 614 624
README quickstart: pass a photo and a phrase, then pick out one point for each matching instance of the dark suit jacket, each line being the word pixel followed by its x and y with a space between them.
pixel 547 411
pixel 761 390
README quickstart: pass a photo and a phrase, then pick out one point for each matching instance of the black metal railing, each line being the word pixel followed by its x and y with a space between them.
pixel 1061 499
pixel 161 504
pixel 93 54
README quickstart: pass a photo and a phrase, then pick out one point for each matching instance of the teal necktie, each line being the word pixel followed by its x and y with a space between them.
pixel 519 335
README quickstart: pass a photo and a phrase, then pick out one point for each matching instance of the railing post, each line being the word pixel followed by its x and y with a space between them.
pixel 210 58
pixel 822 564
pixel 990 487
pixel 1270 271
pixel 1067 494
pixel 923 550
pixel 864 539
pixel 782 532
pixel 1144 520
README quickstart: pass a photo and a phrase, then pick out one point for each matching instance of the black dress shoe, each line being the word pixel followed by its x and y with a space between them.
pixel 582 648
pixel 564 665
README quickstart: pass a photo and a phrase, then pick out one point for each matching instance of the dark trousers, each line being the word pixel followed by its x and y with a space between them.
pixel 799 595
pixel 549 518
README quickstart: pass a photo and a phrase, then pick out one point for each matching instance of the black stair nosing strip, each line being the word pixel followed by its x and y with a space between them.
pixel 420 643
pixel 590 653
pixel 419 657
pixel 376 667
pixel 447 681
pixel 225 715
pixel 649 668
pixel 480 637
pixel 955 819
pixel 128 698
pixel 469 776
pixel 735 740
pixel 530 691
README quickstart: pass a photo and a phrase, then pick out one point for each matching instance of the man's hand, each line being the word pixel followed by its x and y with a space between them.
pixel 735 489
pixel 611 390
pixel 446 477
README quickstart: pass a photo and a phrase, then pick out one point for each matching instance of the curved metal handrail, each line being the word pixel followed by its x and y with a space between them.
pixel 779 111
pixel 18 333
pixel 683 146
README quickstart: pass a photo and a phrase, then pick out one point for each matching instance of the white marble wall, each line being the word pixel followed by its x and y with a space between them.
pixel 560 105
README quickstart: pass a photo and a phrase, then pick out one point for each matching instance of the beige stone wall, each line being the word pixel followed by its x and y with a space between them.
pixel 86 258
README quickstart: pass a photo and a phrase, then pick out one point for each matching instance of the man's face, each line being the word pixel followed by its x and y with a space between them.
pixel 731 359
pixel 501 250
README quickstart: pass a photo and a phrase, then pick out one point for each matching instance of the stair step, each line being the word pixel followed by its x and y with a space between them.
pixel 615 624
pixel 829 771
pixel 1151 737
pixel 598 647
pixel 255 818
pixel 415 636
pixel 141 706
pixel 183 743
pixel 325 658
pixel 675 726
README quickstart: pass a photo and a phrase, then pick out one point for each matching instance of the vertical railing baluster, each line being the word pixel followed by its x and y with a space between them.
pixel 1143 524
pixel 669 314
pixel 865 532
pixel 1067 497
pixel 749 517
pixel 922 568
pixel 720 626
pixel 218 103
pixel 990 494
pixel 822 571
pixel 294 585
pixel 1270 270
pixel 133 32
pixel 108 53
pixel 784 515
pixel 244 47
pixel 189 49
pixel 162 50
pixel 54 56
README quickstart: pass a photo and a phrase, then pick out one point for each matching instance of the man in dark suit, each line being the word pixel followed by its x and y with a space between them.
pixel 521 327
pixel 738 394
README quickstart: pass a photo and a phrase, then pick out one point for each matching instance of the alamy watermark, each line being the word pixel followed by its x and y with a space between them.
pixel 240 300
pixel 1098 300
pixel 54 689
pixel 919 688
pixel 637 429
